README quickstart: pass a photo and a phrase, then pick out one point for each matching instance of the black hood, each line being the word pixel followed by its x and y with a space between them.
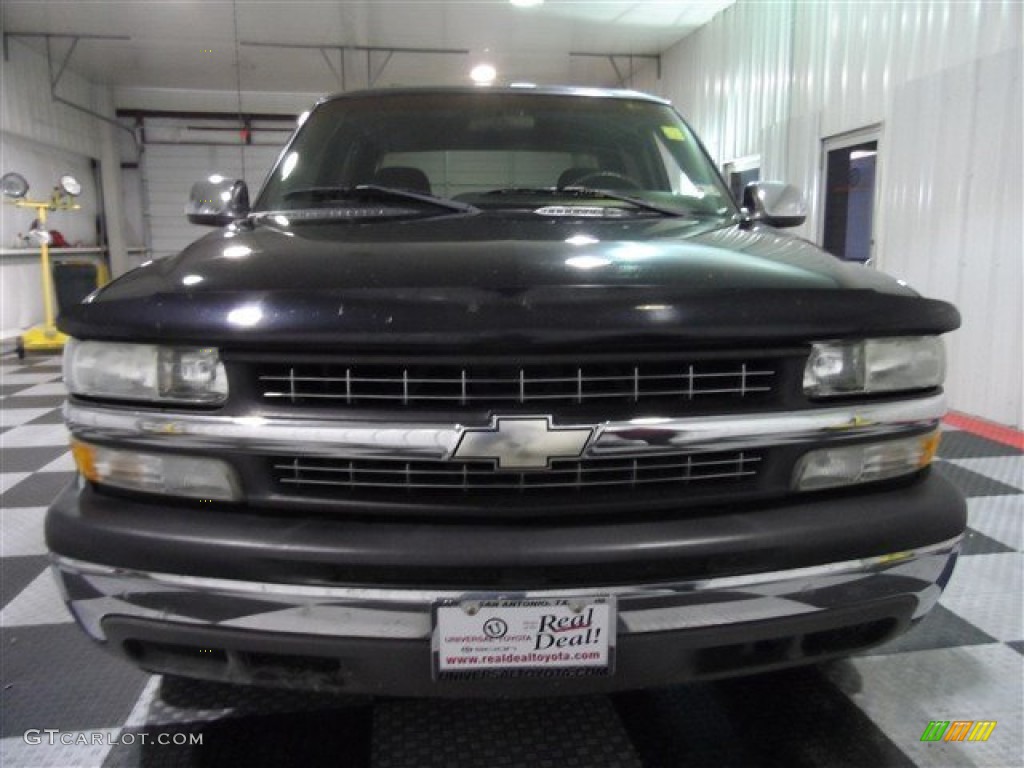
pixel 525 280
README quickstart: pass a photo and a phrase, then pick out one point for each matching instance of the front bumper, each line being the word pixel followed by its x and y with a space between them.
pixel 381 641
pixel 837 574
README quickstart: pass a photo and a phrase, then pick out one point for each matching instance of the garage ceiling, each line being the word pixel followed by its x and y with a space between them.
pixel 209 45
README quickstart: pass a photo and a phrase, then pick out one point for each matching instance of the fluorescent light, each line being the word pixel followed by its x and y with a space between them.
pixel 526 3
pixel 860 154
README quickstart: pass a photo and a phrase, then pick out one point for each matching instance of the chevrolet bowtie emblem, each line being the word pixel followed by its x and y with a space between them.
pixel 522 442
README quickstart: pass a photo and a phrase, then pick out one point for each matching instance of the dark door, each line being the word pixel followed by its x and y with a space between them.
pixel 850 200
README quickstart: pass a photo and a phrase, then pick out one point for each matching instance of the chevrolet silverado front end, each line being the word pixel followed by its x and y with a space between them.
pixel 498 392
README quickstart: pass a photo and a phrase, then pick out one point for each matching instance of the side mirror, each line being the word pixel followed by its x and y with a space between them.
pixel 775 203
pixel 217 201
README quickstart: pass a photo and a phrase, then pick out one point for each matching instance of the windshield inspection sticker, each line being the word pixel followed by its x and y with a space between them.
pixel 527 637
pixel 673 132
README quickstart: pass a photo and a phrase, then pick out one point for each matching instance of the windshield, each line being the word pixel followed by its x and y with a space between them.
pixel 498 150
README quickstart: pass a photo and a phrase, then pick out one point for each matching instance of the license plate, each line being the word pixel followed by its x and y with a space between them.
pixel 502 637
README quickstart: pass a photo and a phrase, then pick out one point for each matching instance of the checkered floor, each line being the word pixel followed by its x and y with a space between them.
pixel 964 663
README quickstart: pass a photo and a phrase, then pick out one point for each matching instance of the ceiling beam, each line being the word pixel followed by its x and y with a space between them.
pixel 372 48
pixel 49 35
pixel 56 78
pixel 372 73
pixel 340 74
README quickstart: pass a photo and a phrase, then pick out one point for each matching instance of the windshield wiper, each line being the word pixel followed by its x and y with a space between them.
pixel 593 193
pixel 373 191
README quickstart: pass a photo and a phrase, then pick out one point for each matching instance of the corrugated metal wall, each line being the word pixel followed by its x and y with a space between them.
pixel 942 81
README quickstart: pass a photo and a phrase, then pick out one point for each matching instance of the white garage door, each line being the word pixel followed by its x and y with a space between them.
pixel 170 171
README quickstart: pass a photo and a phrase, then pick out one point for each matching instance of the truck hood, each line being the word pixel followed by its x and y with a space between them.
pixel 521 280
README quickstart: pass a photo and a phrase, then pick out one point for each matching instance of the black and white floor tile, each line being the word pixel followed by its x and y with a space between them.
pixel 966 662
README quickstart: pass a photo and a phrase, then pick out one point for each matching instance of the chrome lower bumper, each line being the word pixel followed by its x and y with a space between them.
pixel 95 592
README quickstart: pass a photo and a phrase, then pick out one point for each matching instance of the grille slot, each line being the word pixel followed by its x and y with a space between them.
pixel 318 475
pixel 326 384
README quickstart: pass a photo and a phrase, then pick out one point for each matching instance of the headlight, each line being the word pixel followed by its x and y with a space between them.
pixel 191 375
pixel 837 368
pixel 198 478
pixel 866 463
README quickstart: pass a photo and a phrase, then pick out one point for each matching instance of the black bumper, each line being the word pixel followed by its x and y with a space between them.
pixel 226 543
pixel 237 597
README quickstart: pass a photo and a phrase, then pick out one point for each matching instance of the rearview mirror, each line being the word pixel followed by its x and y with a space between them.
pixel 775 203
pixel 216 201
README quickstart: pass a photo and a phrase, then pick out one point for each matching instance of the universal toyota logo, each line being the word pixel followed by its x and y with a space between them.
pixel 495 628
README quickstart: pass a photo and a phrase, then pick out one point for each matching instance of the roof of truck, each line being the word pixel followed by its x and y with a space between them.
pixel 549 90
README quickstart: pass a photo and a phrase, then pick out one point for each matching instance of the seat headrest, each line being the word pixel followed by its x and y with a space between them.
pixel 403 177
pixel 571 175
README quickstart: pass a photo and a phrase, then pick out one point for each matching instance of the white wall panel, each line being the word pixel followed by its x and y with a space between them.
pixel 730 105
pixel 942 80
pixel 953 234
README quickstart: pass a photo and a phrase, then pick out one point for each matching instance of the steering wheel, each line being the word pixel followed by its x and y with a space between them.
pixel 605 179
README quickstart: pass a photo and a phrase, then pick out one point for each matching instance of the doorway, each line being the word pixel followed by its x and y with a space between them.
pixel 850 169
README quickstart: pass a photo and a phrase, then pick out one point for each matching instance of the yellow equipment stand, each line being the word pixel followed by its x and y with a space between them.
pixel 45 337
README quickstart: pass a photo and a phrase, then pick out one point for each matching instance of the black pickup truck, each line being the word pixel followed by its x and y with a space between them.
pixel 497 391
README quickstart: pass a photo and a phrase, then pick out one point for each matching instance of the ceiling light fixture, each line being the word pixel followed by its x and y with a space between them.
pixel 526 3
pixel 483 74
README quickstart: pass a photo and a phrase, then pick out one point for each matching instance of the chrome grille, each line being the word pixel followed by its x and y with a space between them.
pixel 309 474
pixel 329 384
